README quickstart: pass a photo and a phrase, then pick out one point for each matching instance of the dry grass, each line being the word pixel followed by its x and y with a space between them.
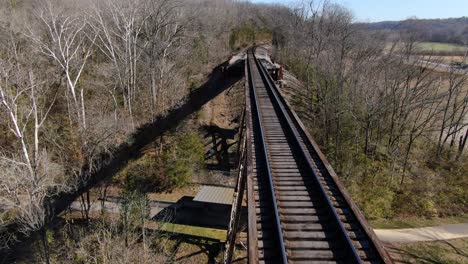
pixel 452 251
pixel 448 59
pixel 440 47
pixel 415 222
pixel 434 48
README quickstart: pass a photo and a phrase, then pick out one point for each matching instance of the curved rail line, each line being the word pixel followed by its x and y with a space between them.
pixel 298 210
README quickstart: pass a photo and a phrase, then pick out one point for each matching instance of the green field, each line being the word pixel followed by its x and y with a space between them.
pixel 440 47
pixel 435 48
pixel 210 233
pixel 415 222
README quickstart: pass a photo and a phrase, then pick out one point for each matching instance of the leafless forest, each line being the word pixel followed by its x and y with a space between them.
pixel 77 78
pixel 394 123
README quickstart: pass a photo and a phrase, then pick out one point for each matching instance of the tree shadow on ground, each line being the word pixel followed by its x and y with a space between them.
pixel 210 248
pixel 404 256
pixel 186 211
pixel 219 147
pixel 458 251
pixel 401 256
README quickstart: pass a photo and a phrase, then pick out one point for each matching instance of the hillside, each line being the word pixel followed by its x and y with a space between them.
pixel 451 30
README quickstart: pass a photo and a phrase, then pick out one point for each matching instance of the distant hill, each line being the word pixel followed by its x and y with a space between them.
pixel 451 30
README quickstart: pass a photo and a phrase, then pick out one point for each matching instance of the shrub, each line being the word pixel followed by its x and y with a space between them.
pixel 414 200
pixel 451 196
pixel 378 203
pixel 171 169
pixel 145 174
pixel 184 159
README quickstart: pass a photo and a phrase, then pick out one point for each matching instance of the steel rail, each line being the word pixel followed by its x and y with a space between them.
pixel 267 163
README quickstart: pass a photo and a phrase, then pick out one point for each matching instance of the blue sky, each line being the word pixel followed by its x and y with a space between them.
pixel 380 10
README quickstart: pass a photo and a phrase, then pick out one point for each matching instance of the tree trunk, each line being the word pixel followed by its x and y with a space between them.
pixel 366 145
pixel 45 245
pixel 153 95
pixel 405 164
pixel 103 199
pixel 444 120
pixel 462 145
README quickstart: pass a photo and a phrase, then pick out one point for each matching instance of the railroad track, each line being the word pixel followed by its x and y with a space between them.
pixel 298 212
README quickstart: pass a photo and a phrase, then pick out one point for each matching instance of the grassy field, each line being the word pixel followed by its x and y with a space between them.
pixel 452 251
pixel 200 245
pixel 448 59
pixel 435 48
pixel 203 232
pixel 440 47
pixel 415 222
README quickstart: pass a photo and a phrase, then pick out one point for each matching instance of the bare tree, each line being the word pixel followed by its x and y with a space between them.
pixel 423 110
pixel 107 245
pixel 454 110
pixel 28 174
pixel 68 44
pixel 359 91
pixel 164 32
pixel 462 145
pixel 140 37
pixel 121 25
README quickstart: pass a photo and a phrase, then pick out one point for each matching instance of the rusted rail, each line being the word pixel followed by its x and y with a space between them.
pixel 298 210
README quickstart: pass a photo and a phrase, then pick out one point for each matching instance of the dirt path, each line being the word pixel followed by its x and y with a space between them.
pixel 410 235
pixel 114 206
